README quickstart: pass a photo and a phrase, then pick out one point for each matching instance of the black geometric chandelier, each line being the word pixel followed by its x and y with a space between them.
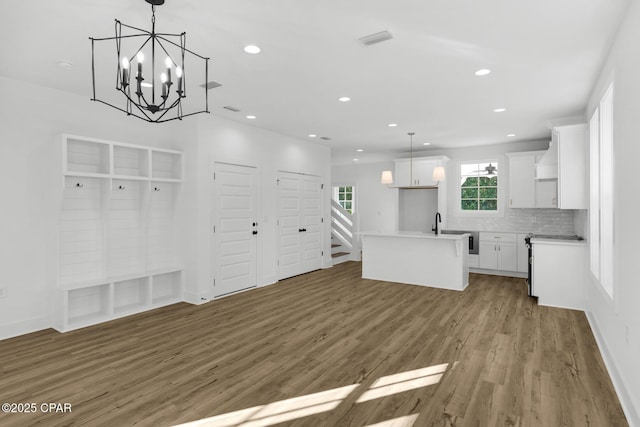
pixel 151 73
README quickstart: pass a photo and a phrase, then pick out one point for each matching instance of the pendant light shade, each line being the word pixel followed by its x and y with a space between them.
pixel 438 173
pixel 386 178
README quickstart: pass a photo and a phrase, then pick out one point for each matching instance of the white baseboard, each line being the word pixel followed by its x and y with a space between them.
pixel 195 299
pixel 268 281
pixel 498 272
pixel 23 327
pixel 633 418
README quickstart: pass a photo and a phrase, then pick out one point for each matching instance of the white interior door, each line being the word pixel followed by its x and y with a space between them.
pixel 311 218
pixel 299 224
pixel 289 226
pixel 236 232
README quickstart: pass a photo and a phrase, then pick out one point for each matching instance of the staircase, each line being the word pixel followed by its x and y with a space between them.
pixel 344 245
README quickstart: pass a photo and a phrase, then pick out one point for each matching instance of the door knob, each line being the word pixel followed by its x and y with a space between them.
pixel 254 232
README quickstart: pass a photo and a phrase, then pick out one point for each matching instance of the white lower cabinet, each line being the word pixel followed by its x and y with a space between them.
pixel 498 251
pixel 559 273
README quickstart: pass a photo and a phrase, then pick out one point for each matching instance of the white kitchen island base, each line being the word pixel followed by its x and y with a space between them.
pixel 417 258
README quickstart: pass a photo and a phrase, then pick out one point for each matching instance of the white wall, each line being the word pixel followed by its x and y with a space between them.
pixel 417 209
pixel 617 323
pixel 33 118
pixel 221 140
pixel 376 204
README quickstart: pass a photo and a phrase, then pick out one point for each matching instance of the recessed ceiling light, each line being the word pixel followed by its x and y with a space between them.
pixel 483 72
pixel 312 135
pixel 392 125
pixel 344 99
pixel 251 117
pixel 63 63
pixel 359 150
pixel 427 143
pixel 500 110
pixel 510 135
pixel 252 49
pixel 355 160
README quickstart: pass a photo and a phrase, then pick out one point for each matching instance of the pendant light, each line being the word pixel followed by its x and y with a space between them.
pixel 386 178
pixel 151 71
pixel 439 174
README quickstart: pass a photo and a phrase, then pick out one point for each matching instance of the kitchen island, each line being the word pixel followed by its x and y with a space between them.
pixel 426 259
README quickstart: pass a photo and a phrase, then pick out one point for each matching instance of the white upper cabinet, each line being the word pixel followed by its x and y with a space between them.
pixel 417 172
pixel 565 164
pixel 572 166
pixel 524 190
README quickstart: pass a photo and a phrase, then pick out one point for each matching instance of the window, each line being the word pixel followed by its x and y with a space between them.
pixel 344 197
pixel 601 192
pixel 479 186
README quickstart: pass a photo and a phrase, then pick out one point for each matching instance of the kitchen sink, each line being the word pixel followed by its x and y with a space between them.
pixel 453 232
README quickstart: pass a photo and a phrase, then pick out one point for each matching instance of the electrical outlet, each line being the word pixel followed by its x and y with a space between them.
pixel 627 334
pixel 3 292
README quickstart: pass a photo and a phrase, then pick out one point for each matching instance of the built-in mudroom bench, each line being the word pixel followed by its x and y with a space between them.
pixel 117 247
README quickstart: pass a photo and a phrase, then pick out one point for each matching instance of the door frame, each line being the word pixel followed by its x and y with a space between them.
pixel 323 223
pixel 214 217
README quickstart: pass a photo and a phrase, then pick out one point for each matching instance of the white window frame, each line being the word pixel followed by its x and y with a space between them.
pixel 336 191
pixel 458 186
pixel 601 193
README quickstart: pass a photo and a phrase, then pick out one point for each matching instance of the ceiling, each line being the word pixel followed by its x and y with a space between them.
pixel 544 57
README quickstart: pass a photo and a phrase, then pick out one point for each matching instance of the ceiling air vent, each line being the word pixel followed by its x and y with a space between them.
pixel 230 108
pixel 375 38
pixel 326 138
pixel 211 85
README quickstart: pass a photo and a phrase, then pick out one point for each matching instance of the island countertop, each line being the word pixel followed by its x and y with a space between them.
pixel 426 259
pixel 415 235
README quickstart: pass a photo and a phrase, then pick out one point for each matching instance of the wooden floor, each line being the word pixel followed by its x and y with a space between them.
pixel 495 358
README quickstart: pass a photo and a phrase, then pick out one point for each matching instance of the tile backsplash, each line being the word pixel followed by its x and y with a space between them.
pixel 550 221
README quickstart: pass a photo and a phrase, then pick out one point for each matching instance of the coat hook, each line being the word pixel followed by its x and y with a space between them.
pixel 79 185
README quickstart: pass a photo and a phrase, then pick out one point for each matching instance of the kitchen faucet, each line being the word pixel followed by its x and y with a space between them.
pixel 438 219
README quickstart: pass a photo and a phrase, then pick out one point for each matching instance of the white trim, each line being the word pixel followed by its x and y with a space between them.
pixel 500 212
pixel 15 329
pixel 633 417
